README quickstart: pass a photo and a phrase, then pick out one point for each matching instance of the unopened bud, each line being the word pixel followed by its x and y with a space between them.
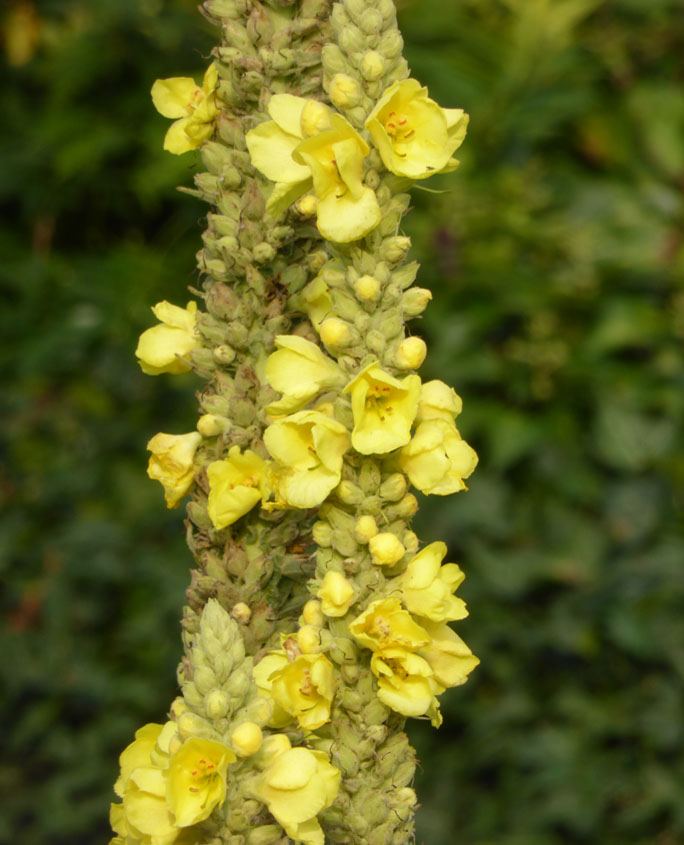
pixel 404 509
pixel 393 250
pixel 344 91
pixel 306 206
pixel 393 487
pixel 349 493
pixel 190 724
pixel 241 613
pixel 216 703
pixel 410 541
pixel 415 301
pixel 272 746
pixel 246 739
pixel 410 353
pixel 371 21
pixel 334 332
pixel 308 639
pixel 322 533
pixel 211 425
pixel 178 707
pixel 175 743
pixel 267 834
pixel 315 118
pixel 365 528
pixel 263 252
pixel 372 66
pixel 367 288
pixel 386 549
pixel 311 613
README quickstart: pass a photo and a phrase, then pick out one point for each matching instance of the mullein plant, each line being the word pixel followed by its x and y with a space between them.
pixel 315 621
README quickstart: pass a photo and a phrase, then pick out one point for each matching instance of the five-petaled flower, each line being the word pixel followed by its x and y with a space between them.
pixel 194 107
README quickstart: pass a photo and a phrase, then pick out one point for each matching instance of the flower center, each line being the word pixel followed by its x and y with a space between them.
pixel 204 770
pixel 398 127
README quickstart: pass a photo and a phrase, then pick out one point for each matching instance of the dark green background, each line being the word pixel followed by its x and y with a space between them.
pixel 556 258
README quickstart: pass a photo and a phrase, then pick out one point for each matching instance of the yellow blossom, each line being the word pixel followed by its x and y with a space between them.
pixel 384 409
pixel 172 463
pixel 162 348
pixel 299 370
pixel 405 683
pixel 386 624
pixel 144 815
pixel 427 587
pixel 315 301
pixel 312 613
pixel 235 486
pixel 297 785
pixel 347 209
pixel 437 459
pixel 449 657
pixel 308 447
pixel 263 674
pixel 195 108
pixel 196 780
pixel 336 594
pixel 438 401
pixel 271 145
pixel 302 687
pixel 414 135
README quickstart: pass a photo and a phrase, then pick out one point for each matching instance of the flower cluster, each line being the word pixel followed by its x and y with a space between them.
pixel 313 611
pixel 308 147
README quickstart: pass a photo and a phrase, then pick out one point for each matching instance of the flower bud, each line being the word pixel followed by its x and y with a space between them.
pixel 334 332
pixel 367 288
pixel 306 206
pixel 322 533
pixel 336 594
pixel 308 639
pixel 394 487
pixel 344 543
pixel 391 44
pixel 259 710
pixel 371 22
pixel 190 724
pixel 410 541
pixel 349 493
pixel 415 301
pixel 404 509
pixel 267 834
pixel 351 39
pixel 393 250
pixel 372 66
pixel 365 528
pixel 216 703
pixel 211 425
pixel 344 91
pixel 386 549
pixel 271 747
pixel 410 353
pixel 263 252
pixel 333 59
pixel 175 743
pixel 224 354
pixel 315 118
pixel 241 613
pixel 178 707
pixel 312 614
pixel 246 739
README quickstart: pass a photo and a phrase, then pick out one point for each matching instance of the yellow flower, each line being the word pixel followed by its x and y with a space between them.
pixel 235 486
pixel 196 780
pixel 297 785
pixel 336 594
pixel 437 459
pixel 315 301
pixel 384 409
pixel 415 136
pixel 449 657
pixel 172 463
pixel 263 674
pixel 386 548
pixel 427 587
pixel 304 688
pixel 386 624
pixel 438 401
pixel 347 209
pixel 404 683
pixel 162 348
pixel 299 370
pixel 144 815
pixel 308 447
pixel 271 145
pixel 180 97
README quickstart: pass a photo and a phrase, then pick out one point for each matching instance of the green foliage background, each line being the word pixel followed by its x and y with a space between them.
pixel 556 258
